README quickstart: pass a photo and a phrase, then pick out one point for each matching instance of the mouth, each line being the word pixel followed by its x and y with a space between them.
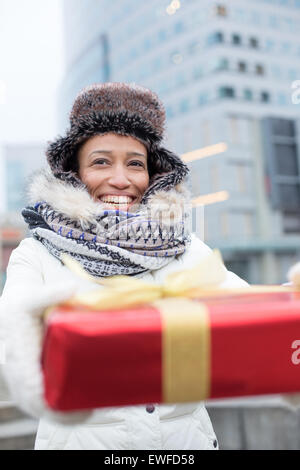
pixel 118 202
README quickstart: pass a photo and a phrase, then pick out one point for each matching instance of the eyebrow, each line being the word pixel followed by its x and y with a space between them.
pixel 110 152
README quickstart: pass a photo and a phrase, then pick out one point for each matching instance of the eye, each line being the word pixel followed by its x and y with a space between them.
pixel 100 161
pixel 137 163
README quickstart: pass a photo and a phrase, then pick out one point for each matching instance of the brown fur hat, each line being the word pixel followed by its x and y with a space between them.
pixel 124 109
pixel 120 98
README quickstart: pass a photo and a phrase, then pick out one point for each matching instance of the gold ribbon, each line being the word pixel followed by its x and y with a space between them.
pixel 203 280
pixel 185 350
pixel 124 291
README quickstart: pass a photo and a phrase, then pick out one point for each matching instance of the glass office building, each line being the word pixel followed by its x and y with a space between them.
pixel 225 72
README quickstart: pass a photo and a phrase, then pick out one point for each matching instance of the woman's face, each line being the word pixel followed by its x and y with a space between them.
pixel 114 169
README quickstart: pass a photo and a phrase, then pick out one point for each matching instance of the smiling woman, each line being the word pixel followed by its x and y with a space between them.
pixel 115 200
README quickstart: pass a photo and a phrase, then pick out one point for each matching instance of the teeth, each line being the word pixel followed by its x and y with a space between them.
pixel 117 199
pixel 115 204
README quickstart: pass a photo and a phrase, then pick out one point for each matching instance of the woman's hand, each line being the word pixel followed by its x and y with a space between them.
pixel 22 334
pixel 294 275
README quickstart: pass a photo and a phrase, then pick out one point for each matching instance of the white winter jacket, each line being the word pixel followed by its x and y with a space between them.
pixel 170 427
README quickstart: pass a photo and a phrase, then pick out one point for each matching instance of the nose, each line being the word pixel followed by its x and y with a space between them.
pixel 119 178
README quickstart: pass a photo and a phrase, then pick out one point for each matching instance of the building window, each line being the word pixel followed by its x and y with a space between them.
pixel 239 267
pixel 221 10
pixel 179 27
pixel 242 66
pixel 226 92
pixel 253 42
pixel 248 95
pixel 236 39
pixel 265 97
pixel 291 222
pixel 224 64
pixel 282 164
pixel 221 64
pixel 202 99
pixel 286 160
pixel 215 38
pixel 283 127
pixel 219 37
pixel 259 69
pixel 289 195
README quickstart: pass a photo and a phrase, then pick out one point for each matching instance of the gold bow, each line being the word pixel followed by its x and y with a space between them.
pixel 124 291
pixel 203 280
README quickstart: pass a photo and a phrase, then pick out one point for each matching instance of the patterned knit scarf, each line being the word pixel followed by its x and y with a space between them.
pixel 115 242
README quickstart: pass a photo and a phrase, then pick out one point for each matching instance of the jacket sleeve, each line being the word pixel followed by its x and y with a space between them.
pixel 199 250
pixel 24 298
pixel 23 270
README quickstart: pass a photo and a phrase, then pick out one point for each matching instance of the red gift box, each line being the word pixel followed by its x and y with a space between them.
pixel 227 346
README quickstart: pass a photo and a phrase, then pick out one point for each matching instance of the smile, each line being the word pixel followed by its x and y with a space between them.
pixel 121 202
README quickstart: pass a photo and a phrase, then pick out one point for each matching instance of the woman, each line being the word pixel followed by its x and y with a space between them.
pixel 116 201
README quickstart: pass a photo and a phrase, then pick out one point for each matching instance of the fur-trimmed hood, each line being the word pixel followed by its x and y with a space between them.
pixel 76 203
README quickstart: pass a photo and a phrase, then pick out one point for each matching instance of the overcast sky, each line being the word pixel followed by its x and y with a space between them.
pixel 31 68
